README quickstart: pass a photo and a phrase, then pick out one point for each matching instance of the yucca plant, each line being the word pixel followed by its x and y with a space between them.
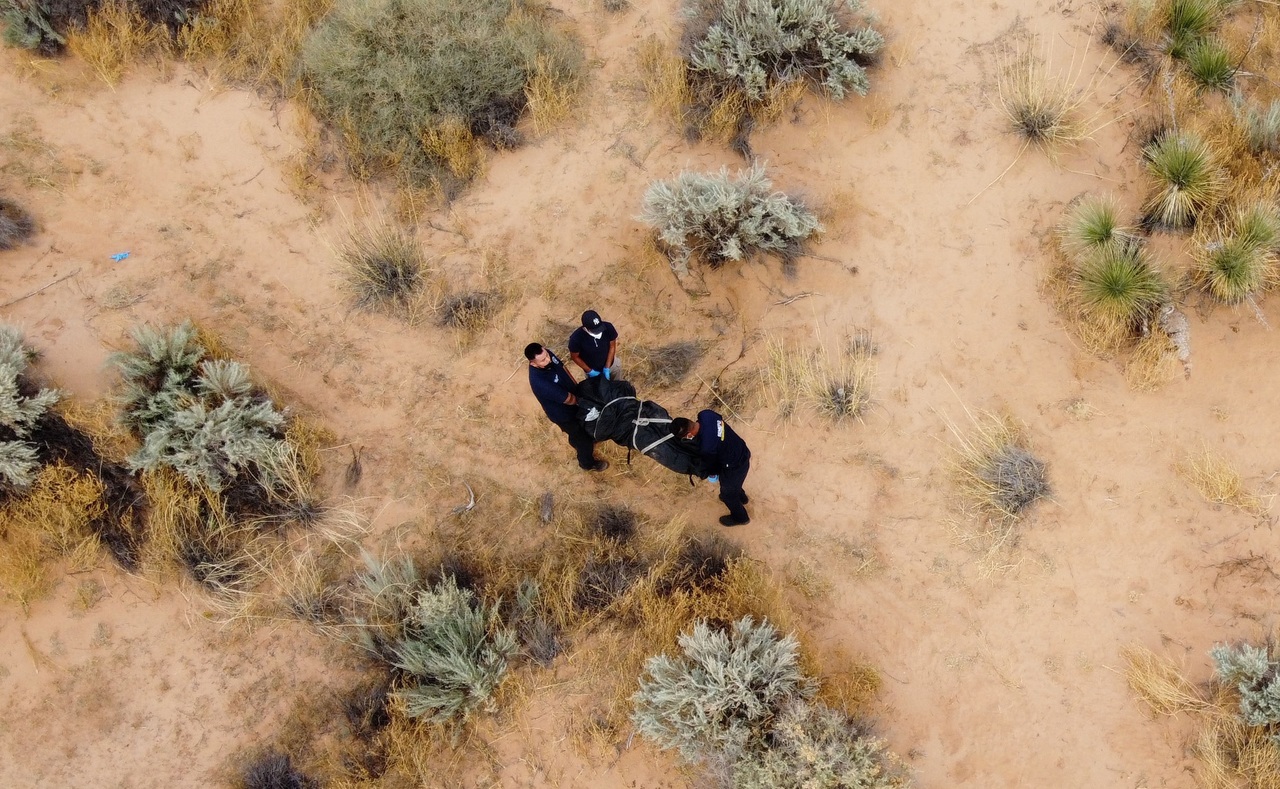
pixel 1092 224
pixel 1119 285
pixel 1187 23
pixel 1257 224
pixel 1233 269
pixel 1187 180
pixel 1212 64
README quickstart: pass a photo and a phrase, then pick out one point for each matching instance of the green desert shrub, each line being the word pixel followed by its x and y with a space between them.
pixel 815 747
pixel 22 405
pixel 1188 22
pixel 1212 64
pixel 718 218
pixel 16 225
pixel 743 61
pixel 1092 224
pixel 1120 285
pixel 1255 676
pixel 42 25
pixel 1261 125
pixel 720 696
pixel 413 84
pixel 1186 180
pixel 454 651
pixel 1233 269
pixel 202 417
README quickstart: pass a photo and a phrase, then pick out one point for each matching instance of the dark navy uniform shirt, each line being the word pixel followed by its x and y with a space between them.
pixel 594 352
pixel 719 445
pixel 552 386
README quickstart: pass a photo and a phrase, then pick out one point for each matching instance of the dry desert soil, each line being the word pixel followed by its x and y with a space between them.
pixel 996 673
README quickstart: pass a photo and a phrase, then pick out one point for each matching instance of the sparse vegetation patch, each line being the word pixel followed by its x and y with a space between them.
pixel 416 86
pixel 16 225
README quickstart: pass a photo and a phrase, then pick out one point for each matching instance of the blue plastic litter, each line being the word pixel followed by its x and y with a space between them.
pixel 119 256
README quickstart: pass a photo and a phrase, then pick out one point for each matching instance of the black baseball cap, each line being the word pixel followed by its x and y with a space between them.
pixel 590 319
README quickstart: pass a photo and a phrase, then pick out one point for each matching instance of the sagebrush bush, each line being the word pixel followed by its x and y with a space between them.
pixel 718 218
pixel 16 225
pixel 455 651
pixel 42 25
pixel 1257 678
pixel 413 84
pixel 201 417
pixel 719 697
pixel 22 405
pixel 813 746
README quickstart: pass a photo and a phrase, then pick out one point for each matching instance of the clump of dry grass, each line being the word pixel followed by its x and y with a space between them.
pixel 1044 110
pixel 16 224
pixel 1153 363
pixel 115 37
pixel 1214 478
pixel 836 385
pixel 996 472
pixel 50 521
pixel 1158 681
pixel 662 366
pixel 386 270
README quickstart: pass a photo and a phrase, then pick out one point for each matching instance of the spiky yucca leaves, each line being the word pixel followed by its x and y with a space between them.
pixel 1255 676
pixel 1187 179
pixel 1212 64
pixel 1232 269
pixel 1188 22
pixel 1119 285
pixel 751 45
pixel 718 698
pixel 815 747
pixel 21 407
pixel 455 650
pixel 1092 224
pixel 720 218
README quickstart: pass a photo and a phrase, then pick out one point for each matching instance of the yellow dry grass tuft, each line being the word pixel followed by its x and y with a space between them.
pixel 51 521
pixel 833 384
pixel 453 145
pixel 662 74
pixel 1042 108
pixel 115 37
pixel 1153 363
pixel 551 98
pixel 1214 478
pixel 1157 681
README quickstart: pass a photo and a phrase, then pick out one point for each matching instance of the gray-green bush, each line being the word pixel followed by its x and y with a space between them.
pixel 815 747
pixel 201 417
pixel 413 83
pixel 455 650
pixel 1256 676
pixel 21 407
pixel 718 698
pixel 16 225
pixel 718 218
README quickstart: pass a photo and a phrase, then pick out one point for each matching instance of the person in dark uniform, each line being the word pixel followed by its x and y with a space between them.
pixel 594 346
pixel 726 456
pixel 557 393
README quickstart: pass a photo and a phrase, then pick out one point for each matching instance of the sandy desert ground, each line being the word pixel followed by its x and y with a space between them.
pixel 1005 679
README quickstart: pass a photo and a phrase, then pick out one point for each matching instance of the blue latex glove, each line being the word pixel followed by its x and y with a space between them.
pixel 714 479
pixel 608 374
pixel 592 373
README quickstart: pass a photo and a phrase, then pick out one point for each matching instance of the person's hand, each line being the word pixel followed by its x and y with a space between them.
pixel 592 373
pixel 608 374
pixel 714 479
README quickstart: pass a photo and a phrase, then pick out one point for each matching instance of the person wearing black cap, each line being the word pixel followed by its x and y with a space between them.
pixel 594 346
pixel 725 455
pixel 557 393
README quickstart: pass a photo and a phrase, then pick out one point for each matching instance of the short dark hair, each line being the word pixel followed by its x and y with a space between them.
pixel 680 427
pixel 532 349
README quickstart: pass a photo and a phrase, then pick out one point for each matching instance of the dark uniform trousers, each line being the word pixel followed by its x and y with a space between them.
pixel 582 443
pixel 731 493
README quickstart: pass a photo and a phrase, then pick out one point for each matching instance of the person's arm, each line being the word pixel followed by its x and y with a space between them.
pixel 613 350
pixel 577 359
